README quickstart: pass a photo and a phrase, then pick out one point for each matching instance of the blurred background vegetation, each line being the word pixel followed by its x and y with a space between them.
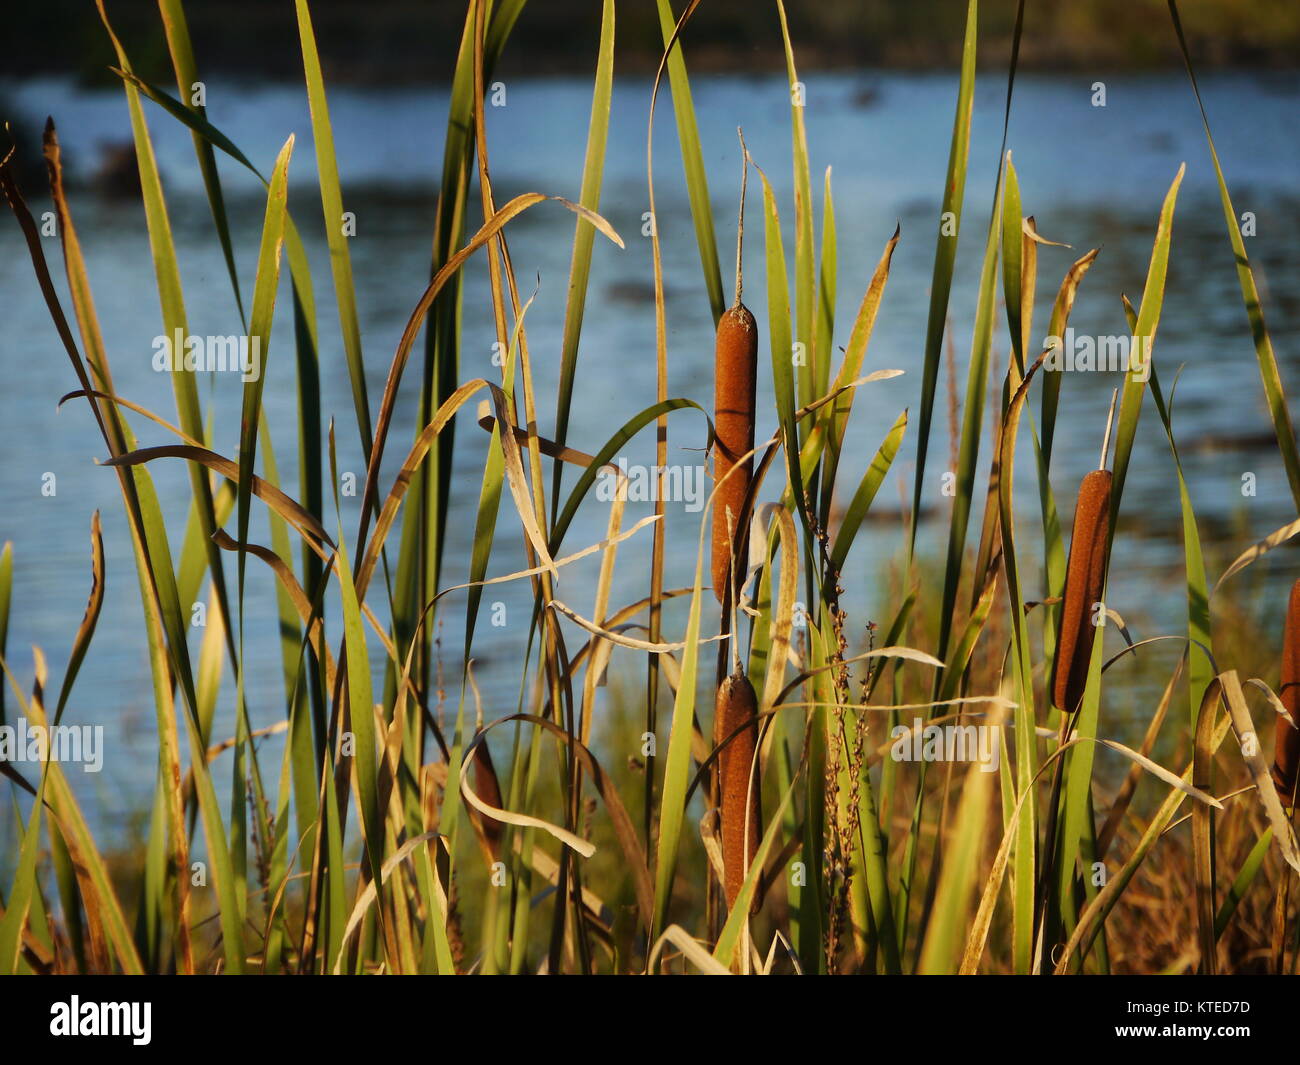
pixel 408 41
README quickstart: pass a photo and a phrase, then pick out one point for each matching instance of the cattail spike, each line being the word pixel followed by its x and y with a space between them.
pixel 488 788
pixel 1286 753
pixel 735 382
pixel 1085 579
pixel 737 707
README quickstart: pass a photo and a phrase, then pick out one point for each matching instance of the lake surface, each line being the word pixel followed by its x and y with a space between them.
pixel 1093 177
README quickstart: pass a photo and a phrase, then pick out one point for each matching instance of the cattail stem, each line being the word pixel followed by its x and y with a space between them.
pixel 1110 421
pixel 1286 752
pixel 730 607
pixel 1085 579
pixel 740 224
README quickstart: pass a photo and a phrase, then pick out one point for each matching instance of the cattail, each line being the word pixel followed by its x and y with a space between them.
pixel 1085 578
pixel 735 380
pixel 1286 752
pixel 737 706
pixel 487 788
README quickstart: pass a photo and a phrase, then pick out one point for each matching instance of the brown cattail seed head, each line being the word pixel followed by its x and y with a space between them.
pixel 1286 753
pixel 735 379
pixel 1085 579
pixel 487 788
pixel 737 706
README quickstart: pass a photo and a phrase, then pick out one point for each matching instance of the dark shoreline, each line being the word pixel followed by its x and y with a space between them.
pixel 400 42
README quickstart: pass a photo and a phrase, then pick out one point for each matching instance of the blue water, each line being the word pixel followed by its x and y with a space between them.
pixel 1093 177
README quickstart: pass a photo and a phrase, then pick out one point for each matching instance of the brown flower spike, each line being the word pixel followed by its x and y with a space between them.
pixel 735 381
pixel 737 707
pixel 1286 751
pixel 1085 578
